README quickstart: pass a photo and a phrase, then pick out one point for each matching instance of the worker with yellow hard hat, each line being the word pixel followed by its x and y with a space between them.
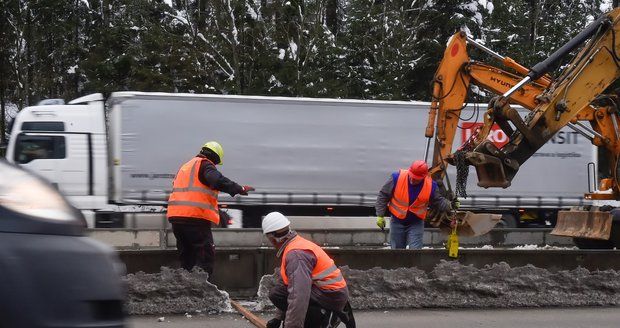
pixel 193 208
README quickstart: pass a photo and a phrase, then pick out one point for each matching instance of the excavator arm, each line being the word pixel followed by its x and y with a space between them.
pixel 451 83
pixel 453 79
pixel 585 78
pixel 563 103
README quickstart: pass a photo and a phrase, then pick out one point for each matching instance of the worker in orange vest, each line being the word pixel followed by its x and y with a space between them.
pixel 192 206
pixel 407 195
pixel 312 292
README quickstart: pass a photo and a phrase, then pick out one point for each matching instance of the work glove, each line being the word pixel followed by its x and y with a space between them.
pixel 381 222
pixel 274 323
pixel 245 189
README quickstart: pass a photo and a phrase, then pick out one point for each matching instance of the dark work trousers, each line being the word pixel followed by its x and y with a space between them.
pixel 195 246
pixel 319 302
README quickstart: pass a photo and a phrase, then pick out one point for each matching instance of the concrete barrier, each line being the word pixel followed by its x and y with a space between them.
pixel 239 270
pixel 164 238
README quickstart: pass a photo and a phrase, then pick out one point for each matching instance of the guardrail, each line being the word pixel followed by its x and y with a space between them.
pixel 148 239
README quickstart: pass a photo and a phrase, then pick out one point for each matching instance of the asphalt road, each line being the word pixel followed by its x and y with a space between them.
pixel 441 318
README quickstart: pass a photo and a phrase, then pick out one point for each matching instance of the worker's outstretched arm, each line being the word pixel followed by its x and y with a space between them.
pixel 299 265
pixel 210 176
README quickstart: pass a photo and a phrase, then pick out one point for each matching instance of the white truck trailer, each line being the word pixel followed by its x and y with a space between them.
pixel 309 157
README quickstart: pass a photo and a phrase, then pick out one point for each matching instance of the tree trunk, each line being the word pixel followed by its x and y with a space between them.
pixel 202 8
pixel 2 116
pixel 331 16
pixel 29 60
pixel 534 13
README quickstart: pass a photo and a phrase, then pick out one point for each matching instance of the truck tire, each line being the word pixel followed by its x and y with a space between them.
pixel 509 220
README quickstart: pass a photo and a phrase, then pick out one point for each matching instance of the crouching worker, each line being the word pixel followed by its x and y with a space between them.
pixel 313 292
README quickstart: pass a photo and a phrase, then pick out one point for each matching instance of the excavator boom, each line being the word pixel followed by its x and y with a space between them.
pixel 451 84
pixel 567 100
pixel 455 75
pixel 496 168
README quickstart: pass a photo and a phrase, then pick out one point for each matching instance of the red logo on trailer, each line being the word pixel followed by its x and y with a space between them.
pixel 497 136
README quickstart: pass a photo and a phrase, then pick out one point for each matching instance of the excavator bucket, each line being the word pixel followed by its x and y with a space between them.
pixel 583 224
pixel 473 224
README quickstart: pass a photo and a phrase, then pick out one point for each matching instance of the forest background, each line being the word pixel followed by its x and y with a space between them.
pixel 355 49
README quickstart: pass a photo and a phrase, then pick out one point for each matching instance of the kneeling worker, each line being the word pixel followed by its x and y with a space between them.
pixel 313 292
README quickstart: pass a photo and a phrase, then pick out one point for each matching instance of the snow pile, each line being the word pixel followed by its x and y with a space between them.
pixel 265 285
pixel 529 247
pixel 174 291
pixel 452 285
pixel 526 247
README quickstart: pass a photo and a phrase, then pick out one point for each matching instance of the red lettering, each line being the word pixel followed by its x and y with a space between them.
pixel 497 136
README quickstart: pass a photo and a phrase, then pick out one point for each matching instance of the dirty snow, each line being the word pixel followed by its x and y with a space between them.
pixel 449 285
pixel 452 285
pixel 174 291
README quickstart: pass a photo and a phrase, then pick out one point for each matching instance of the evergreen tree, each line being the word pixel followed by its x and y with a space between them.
pixel 368 49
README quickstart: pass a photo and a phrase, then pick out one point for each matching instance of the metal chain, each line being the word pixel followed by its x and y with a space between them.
pixel 462 171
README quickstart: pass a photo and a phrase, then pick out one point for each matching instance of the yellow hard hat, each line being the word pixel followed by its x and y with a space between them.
pixel 216 148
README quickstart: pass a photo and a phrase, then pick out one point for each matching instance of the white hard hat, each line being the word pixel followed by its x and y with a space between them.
pixel 274 221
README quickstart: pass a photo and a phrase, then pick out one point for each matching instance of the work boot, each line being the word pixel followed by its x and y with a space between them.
pixel 347 316
pixel 334 320
pixel 316 317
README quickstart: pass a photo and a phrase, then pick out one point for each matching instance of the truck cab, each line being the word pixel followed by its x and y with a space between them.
pixel 65 144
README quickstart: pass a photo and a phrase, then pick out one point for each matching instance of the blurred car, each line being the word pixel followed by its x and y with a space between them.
pixel 52 274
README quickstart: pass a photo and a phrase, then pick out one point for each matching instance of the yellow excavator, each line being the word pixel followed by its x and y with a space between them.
pixel 451 83
pixel 569 100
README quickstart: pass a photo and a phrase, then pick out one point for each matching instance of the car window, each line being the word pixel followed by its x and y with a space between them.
pixel 43 126
pixel 29 148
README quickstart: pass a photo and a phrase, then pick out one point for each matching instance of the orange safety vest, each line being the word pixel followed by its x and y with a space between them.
pixel 325 274
pixel 190 197
pixel 399 204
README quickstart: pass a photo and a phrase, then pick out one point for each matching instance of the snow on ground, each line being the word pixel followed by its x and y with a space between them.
pixel 452 285
pixel 174 291
pixel 449 285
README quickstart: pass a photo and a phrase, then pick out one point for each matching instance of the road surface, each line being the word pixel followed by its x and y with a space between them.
pixel 600 317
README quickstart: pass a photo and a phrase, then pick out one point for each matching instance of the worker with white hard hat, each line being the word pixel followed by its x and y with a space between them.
pixel 193 207
pixel 312 292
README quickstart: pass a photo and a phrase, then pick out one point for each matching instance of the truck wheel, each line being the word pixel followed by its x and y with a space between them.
pixel 508 221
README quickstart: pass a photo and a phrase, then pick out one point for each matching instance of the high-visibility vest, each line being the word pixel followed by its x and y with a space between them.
pixel 399 204
pixel 190 197
pixel 325 274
